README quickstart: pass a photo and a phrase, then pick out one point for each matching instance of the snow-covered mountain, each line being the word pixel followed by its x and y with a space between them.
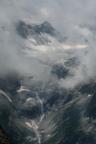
pixel 37 30
pixel 60 110
pixel 47 72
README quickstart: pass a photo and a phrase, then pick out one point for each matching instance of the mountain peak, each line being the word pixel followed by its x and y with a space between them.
pixel 47 24
pixel 26 30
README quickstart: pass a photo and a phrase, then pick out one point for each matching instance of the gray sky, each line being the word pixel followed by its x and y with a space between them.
pixel 57 11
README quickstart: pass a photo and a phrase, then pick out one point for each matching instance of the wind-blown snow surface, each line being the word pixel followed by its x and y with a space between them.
pixel 49 63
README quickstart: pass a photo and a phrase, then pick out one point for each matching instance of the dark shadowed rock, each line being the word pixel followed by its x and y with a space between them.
pixel 26 30
pixel 4 139
pixel 60 71
pixel 35 31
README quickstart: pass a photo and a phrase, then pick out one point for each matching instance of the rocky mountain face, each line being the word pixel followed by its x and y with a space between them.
pixel 38 113
pixel 3 137
pixel 26 29
pixel 37 31
pixel 56 116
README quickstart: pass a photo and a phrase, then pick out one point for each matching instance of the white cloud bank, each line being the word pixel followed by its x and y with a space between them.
pixel 75 19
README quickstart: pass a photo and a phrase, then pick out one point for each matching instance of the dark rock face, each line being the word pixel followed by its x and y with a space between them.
pixel 4 139
pixel 10 83
pixel 69 113
pixel 60 71
pixel 88 88
pixel 26 30
pixel 72 62
pixel 31 113
pixel 37 32
pixel 91 108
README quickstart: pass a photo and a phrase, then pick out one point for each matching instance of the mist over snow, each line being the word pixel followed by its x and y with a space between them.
pixel 74 19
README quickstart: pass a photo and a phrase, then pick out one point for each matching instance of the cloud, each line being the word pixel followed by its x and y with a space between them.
pixel 75 19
